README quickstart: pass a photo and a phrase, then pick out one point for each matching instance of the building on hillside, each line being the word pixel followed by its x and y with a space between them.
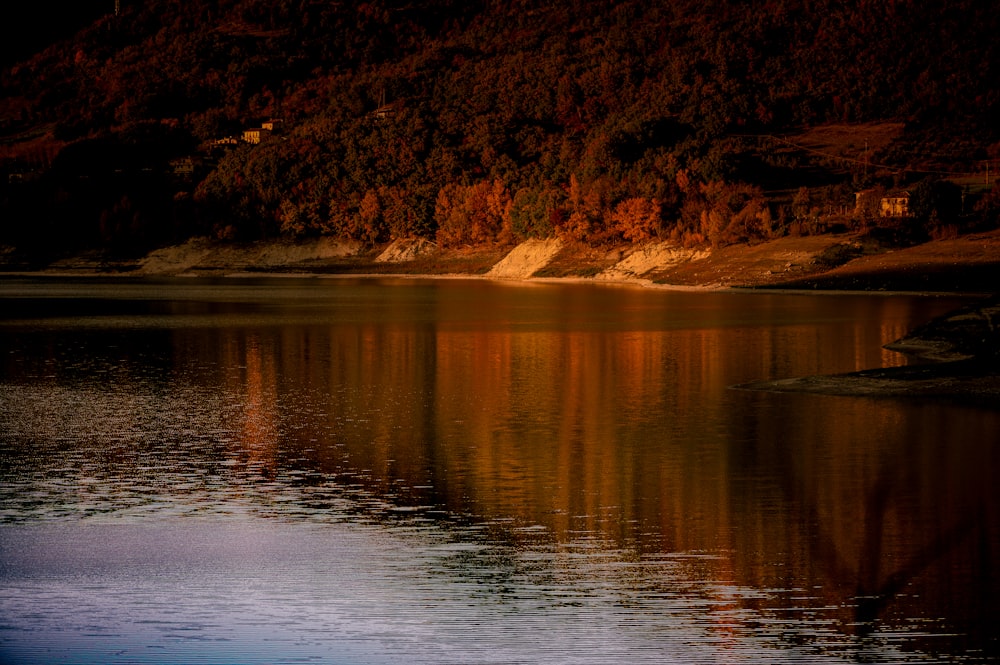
pixel 256 135
pixel 385 110
pixel 895 203
pixel 878 203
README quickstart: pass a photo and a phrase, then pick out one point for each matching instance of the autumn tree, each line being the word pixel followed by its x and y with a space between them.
pixel 472 214
pixel 371 219
pixel 725 213
pixel 586 207
pixel 868 205
pixel 637 219
pixel 406 211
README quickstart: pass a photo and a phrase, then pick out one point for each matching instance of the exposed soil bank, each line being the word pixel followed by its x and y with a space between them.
pixel 969 264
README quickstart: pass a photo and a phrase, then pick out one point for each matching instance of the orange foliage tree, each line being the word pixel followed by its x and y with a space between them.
pixel 586 207
pixel 472 214
pixel 724 213
pixel 637 219
pixel 371 220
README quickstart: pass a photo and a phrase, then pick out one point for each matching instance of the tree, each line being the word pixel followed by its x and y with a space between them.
pixel 406 211
pixel 801 204
pixel 935 200
pixel 868 205
pixel 637 219
pixel 729 213
pixel 535 212
pixel 586 208
pixel 987 210
pixel 371 222
pixel 472 213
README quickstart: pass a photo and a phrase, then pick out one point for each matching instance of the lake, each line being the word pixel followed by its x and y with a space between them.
pixel 467 471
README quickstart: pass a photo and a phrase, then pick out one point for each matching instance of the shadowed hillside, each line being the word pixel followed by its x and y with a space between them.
pixel 599 122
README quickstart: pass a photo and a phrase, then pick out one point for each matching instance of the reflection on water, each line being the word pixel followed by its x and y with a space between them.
pixel 368 471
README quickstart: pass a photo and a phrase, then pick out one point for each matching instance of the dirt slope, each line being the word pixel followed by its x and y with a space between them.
pixel 526 259
pixel 969 263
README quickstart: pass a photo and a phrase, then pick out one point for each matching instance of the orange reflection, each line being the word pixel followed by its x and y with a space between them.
pixel 253 374
pixel 630 433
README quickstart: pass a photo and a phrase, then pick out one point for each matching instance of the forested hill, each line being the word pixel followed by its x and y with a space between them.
pixel 471 122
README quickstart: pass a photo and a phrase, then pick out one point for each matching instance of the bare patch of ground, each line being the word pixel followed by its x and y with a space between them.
pixel 452 261
pixel 649 258
pixel 969 263
pixel 405 250
pixel 203 255
pixel 526 259
pixel 577 260
pixel 175 259
pixel 767 263
pixel 850 140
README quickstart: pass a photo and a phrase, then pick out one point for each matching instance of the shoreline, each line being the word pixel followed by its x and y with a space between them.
pixel 956 354
pixel 833 263
pixel 967 266
pixel 630 283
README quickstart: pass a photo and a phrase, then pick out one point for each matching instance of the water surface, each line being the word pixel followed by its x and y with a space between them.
pixel 376 471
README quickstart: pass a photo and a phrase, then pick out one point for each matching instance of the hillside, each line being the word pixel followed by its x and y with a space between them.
pixel 705 124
